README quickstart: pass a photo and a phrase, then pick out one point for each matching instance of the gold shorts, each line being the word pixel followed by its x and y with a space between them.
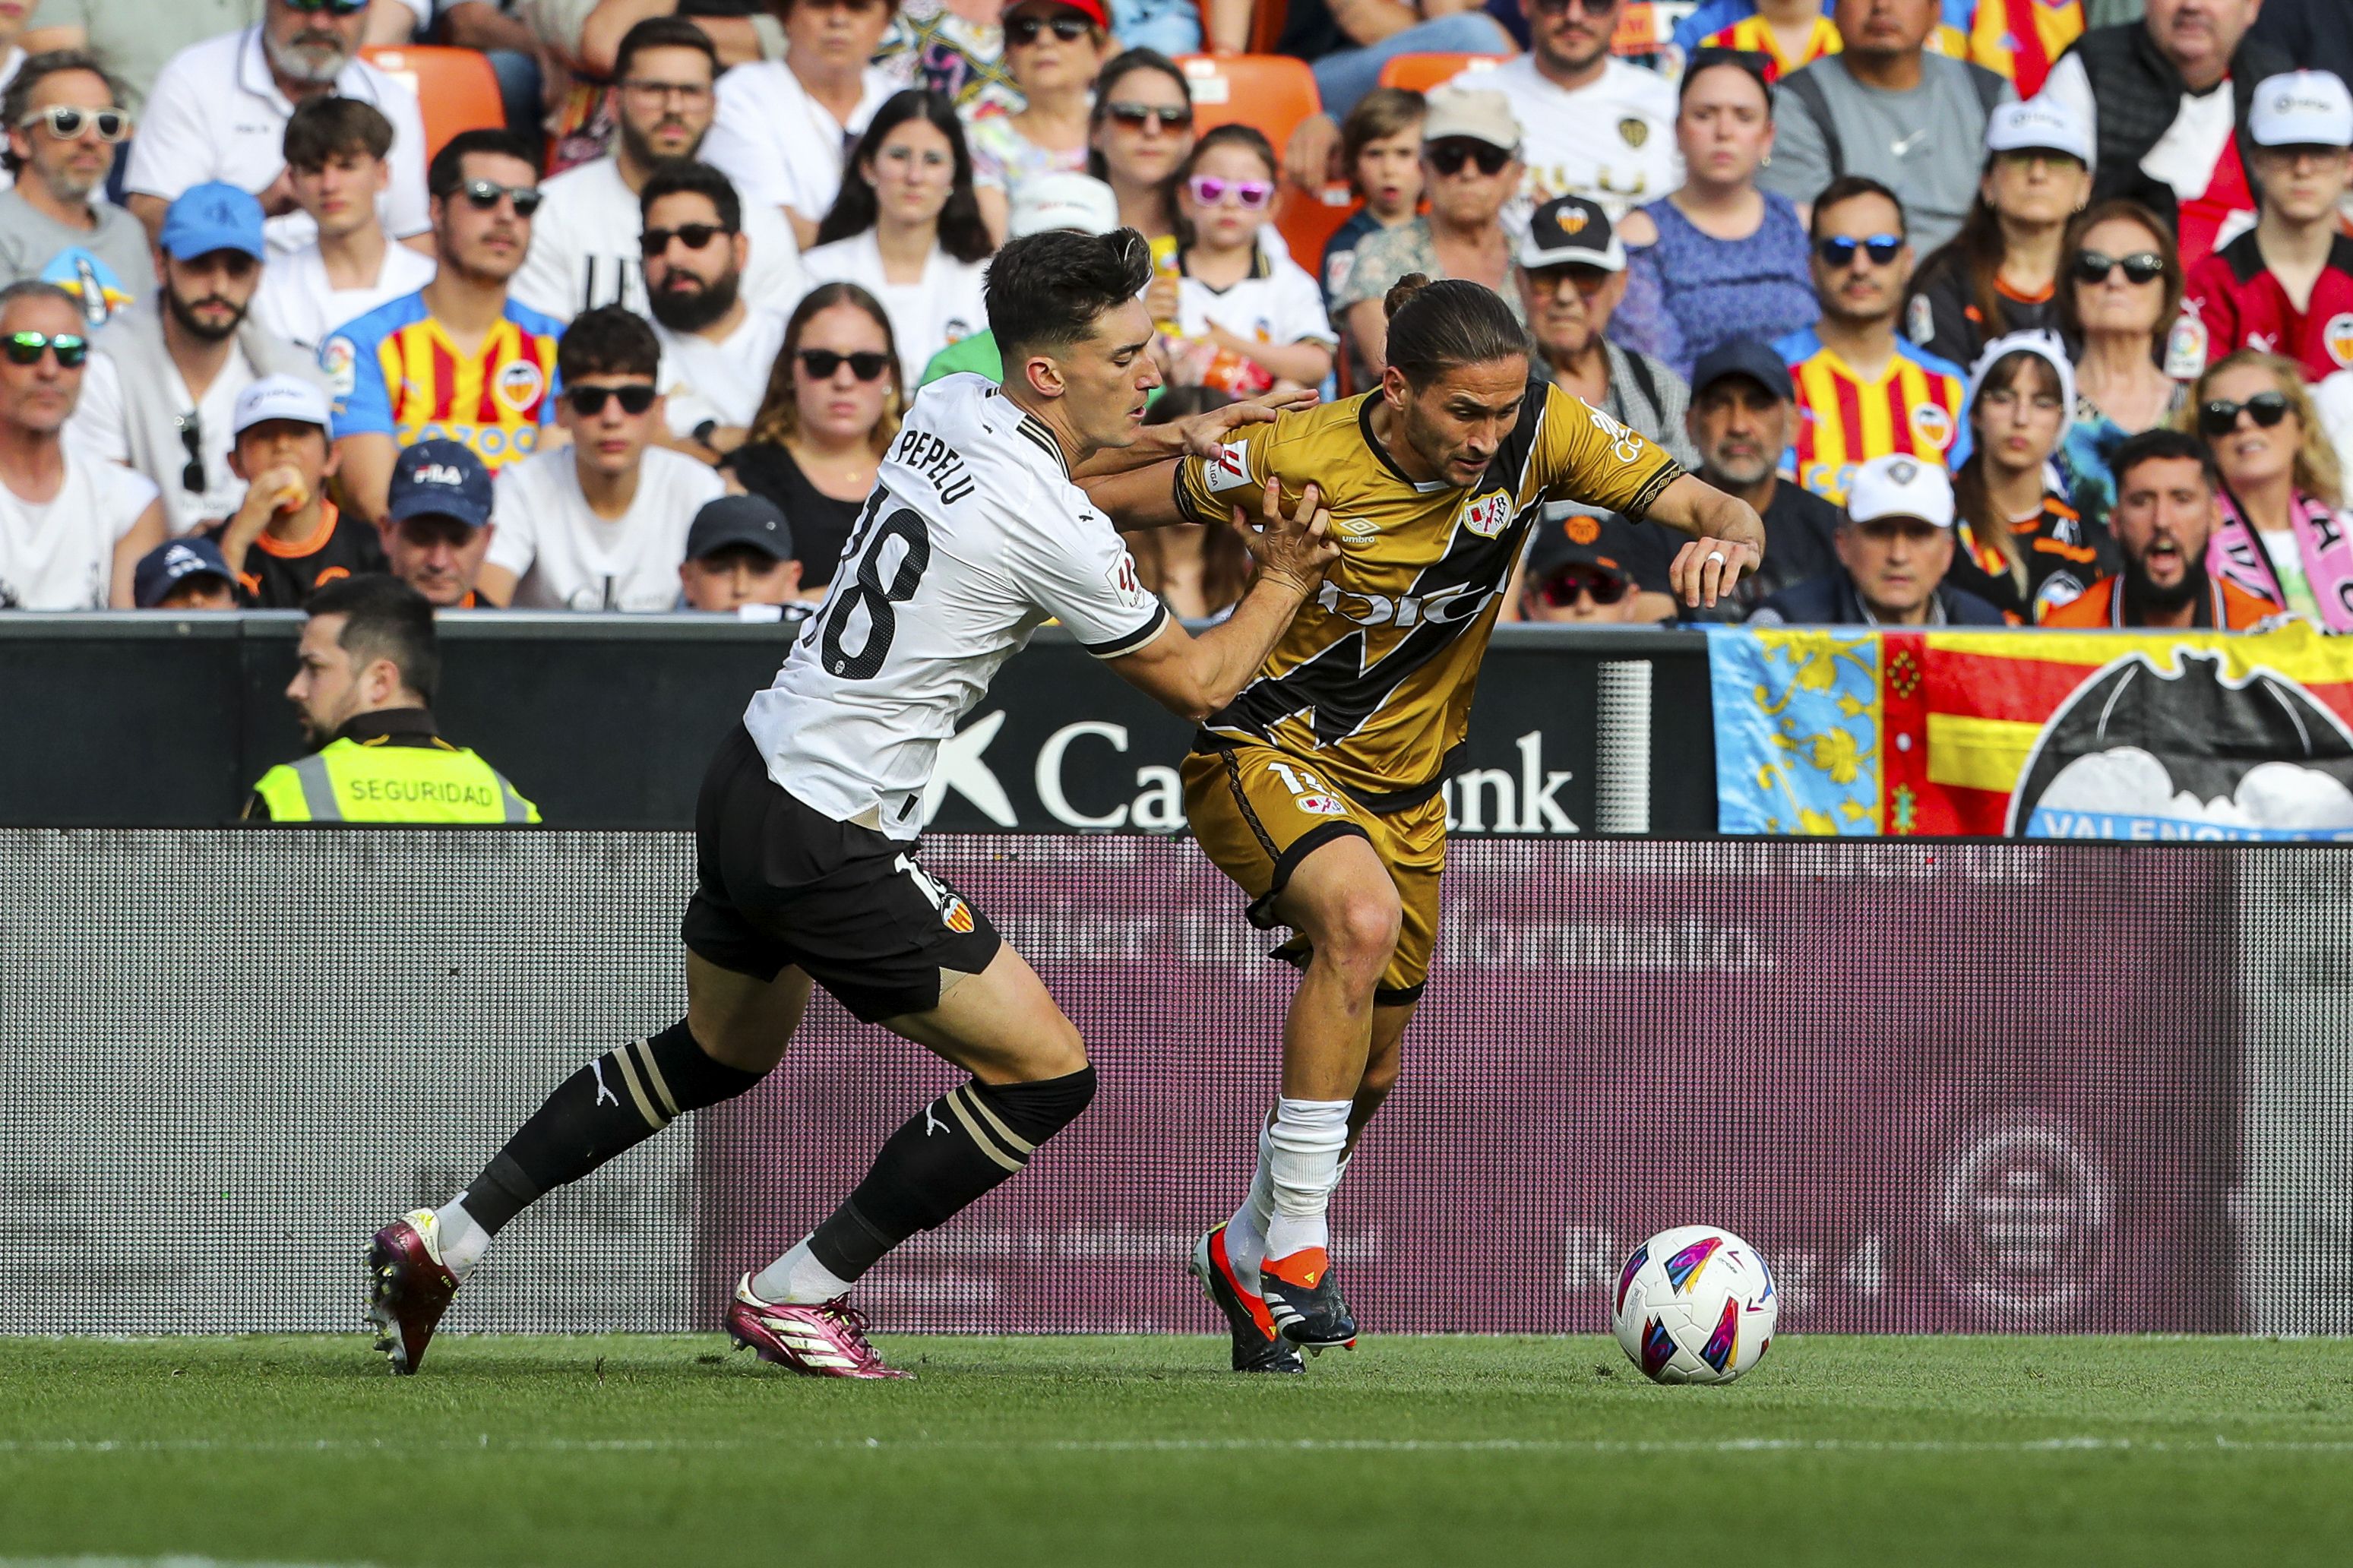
pixel 1259 812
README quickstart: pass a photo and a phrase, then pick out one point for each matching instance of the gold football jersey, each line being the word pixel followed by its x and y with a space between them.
pixel 1374 679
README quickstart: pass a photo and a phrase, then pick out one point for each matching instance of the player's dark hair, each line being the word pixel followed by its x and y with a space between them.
pixel 1435 327
pixel 384 618
pixel 683 176
pixel 447 170
pixel 1845 188
pixel 17 101
pixel 1046 291
pixel 608 341
pixel 963 234
pixel 663 33
pixel 331 127
pixel 2164 444
pixel 1248 138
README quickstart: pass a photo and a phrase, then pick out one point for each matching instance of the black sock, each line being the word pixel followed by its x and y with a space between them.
pixel 613 1104
pixel 959 1147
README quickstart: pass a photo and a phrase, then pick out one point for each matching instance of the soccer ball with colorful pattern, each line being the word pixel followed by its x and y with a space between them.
pixel 1696 1304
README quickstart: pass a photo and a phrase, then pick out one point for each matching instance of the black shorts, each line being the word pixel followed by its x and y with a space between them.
pixel 783 884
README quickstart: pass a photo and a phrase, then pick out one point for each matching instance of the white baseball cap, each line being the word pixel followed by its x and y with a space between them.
pixel 2040 125
pixel 2302 108
pixel 1901 486
pixel 1045 203
pixel 280 397
pixel 1480 113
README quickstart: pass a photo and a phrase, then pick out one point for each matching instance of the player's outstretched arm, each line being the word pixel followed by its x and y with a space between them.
pixel 1197 436
pixel 1196 675
pixel 1729 539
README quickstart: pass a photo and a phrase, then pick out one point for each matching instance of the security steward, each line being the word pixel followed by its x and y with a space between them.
pixel 368 665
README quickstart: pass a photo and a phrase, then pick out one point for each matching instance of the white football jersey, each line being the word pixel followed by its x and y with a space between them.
pixel 974 538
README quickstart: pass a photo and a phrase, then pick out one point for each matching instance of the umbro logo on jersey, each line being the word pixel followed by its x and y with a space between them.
pixel 1355 527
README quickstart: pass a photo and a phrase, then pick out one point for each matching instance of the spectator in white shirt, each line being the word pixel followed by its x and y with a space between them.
pixel 784 127
pixel 717 348
pixel 907 227
pixel 583 246
pixel 162 392
pixel 72 525
pixel 1247 321
pixel 63 129
pixel 337 152
pixel 601 523
pixel 218 111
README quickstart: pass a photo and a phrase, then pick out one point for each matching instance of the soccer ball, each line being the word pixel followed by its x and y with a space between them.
pixel 1696 1304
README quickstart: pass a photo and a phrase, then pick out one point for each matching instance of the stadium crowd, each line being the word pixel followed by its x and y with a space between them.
pixel 1998 311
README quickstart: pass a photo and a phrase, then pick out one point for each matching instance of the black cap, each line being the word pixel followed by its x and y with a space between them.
pixel 1755 360
pixel 1581 539
pixel 740 520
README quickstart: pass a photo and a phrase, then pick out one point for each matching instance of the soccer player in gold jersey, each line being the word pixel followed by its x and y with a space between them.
pixel 1317 789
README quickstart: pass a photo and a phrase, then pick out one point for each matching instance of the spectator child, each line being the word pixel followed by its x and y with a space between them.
pixel 63 129
pixel 2000 274
pixel 1381 145
pixel 907 225
pixel 1720 260
pixel 182 575
pixel 287 540
pixel 599 523
pixel 1053 49
pixel 2168 504
pixel 2280 533
pixel 832 405
pixel 338 154
pixel 2287 285
pixel 72 525
pixel 2023 547
pixel 1247 320
pixel 739 561
pixel 2121 298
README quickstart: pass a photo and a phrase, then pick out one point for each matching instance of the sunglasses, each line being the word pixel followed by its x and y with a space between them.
pixel 1448 157
pixel 589 401
pixel 332 7
pixel 2265 408
pixel 865 366
pixel 1601 588
pixel 485 195
pixel 1135 115
pixel 66 122
pixel 1250 196
pixel 2140 267
pixel 1068 26
pixel 26 348
pixel 1838 252
pixel 1590 7
pixel 192 442
pixel 654 241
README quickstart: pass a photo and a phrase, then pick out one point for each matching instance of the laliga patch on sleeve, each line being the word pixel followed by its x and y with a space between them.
pixel 1229 469
pixel 1126 584
pixel 340 359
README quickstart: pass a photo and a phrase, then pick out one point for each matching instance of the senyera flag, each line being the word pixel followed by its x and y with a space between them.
pixel 2035 734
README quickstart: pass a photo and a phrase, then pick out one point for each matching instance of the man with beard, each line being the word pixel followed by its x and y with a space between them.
pixel 1743 409
pixel 2167 507
pixel 162 391
pixel 717 349
pixel 218 111
pixel 581 253
pixel 457 359
pixel 62 129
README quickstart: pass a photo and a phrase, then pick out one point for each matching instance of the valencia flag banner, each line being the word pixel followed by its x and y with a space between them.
pixel 2034 734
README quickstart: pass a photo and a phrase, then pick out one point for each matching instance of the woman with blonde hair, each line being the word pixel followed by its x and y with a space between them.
pixel 833 404
pixel 2281 534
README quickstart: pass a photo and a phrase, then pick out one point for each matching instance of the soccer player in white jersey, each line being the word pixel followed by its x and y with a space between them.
pixel 805 831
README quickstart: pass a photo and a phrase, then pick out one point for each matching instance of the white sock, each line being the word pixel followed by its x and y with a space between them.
pixel 1304 1148
pixel 462 1242
pixel 1246 1232
pixel 799 1279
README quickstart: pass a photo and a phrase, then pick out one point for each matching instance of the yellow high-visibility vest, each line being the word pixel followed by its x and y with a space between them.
pixel 349 781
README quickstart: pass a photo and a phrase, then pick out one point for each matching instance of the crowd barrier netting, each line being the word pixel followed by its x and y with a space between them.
pixel 1944 1087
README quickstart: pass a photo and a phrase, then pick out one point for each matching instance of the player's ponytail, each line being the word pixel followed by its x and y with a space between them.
pixel 1438 326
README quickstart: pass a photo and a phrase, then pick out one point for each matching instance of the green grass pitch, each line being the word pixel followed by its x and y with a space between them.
pixel 639 1450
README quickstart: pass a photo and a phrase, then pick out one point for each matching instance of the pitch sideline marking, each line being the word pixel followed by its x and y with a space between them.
pixel 1600 1445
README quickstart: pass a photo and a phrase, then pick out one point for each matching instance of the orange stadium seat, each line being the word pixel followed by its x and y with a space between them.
pixel 456 89
pixel 1274 93
pixel 1422 72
